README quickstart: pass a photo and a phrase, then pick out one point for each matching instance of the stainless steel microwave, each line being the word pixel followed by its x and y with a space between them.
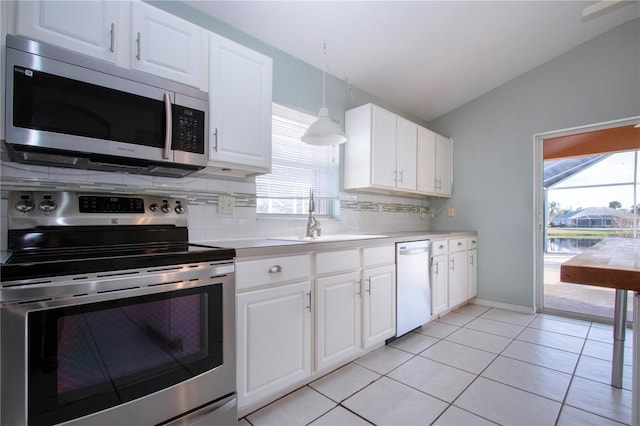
pixel 69 110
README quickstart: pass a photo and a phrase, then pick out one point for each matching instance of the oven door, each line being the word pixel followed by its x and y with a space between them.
pixel 138 356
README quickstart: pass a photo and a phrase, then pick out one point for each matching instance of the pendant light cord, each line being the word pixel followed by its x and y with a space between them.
pixel 324 76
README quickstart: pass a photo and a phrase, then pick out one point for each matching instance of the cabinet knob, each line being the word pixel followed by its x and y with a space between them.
pixel 275 269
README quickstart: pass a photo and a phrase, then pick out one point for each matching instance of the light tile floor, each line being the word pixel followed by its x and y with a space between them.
pixel 474 366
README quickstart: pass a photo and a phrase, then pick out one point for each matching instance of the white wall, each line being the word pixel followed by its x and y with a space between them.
pixel 596 82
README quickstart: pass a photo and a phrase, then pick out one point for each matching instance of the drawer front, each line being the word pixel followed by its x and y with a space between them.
pixel 337 261
pixel 372 256
pixel 457 244
pixel 472 243
pixel 256 273
pixel 439 247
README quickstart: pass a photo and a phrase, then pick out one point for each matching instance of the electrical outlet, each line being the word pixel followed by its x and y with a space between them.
pixel 452 211
pixel 225 204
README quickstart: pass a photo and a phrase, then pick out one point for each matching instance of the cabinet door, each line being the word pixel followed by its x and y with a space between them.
pixel 426 180
pixel 167 46
pixel 439 281
pixel 472 273
pixel 240 85
pixel 384 143
pixel 444 165
pixel 273 340
pixel 87 27
pixel 337 319
pixel 457 278
pixel 406 154
pixel 379 304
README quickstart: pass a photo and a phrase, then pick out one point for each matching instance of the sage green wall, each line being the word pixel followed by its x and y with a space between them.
pixel 493 154
pixel 296 84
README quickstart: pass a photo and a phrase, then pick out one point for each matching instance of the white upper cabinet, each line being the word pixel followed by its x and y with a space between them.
pixel 387 153
pixel 89 27
pixel 167 46
pixel 131 34
pixel 240 86
pixel 434 163
pixel 406 154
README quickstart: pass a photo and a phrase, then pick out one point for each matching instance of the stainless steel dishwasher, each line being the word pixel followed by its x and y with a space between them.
pixel 413 296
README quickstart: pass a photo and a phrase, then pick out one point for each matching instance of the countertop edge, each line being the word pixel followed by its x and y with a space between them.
pixel 263 247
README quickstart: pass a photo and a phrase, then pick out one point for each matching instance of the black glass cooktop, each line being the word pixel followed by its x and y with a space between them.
pixel 45 253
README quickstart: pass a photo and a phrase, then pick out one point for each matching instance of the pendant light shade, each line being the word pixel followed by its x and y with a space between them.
pixel 324 131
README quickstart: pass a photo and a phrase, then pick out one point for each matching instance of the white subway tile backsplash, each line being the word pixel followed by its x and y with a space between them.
pixel 359 213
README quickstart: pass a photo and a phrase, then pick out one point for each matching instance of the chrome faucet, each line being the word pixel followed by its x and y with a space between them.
pixel 313 226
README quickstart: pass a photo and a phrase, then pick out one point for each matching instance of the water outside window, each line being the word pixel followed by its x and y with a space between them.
pixel 587 199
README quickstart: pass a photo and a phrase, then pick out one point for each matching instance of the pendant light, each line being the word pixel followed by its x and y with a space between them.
pixel 324 131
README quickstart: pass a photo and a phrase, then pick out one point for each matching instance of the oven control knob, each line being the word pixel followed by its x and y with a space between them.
pixel 25 206
pixel 47 205
pixel 166 208
pixel 179 208
pixel 153 207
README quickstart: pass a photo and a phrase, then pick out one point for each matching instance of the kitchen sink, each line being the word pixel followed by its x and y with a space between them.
pixel 336 237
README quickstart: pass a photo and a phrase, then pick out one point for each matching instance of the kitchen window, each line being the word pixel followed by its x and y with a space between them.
pixel 296 168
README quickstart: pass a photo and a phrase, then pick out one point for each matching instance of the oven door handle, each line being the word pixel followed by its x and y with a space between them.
pixel 168 128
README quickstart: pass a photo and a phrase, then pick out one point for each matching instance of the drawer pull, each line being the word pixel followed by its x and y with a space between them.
pixel 275 269
pixel 460 244
pixel 441 247
pixel 473 241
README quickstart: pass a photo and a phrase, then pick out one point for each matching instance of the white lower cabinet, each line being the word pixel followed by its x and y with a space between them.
pixel 379 310
pixel 273 340
pixel 440 284
pixel 338 318
pixel 453 273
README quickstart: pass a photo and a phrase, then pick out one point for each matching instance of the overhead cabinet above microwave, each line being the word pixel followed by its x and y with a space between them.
pixel 135 35
pixel 387 153
pixel 129 34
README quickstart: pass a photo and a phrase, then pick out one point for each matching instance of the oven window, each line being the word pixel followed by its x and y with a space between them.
pixel 87 358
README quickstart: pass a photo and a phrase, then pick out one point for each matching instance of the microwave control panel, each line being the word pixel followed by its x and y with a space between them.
pixel 188 129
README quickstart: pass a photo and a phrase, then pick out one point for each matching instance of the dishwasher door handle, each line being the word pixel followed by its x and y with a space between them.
pixel 414 251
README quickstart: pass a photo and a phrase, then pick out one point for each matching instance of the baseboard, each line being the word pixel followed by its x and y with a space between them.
pixel 506 306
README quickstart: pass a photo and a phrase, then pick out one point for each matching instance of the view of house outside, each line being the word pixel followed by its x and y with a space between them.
pixel 587 200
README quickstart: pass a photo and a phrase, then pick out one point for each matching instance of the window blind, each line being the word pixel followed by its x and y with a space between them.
pixel 297 167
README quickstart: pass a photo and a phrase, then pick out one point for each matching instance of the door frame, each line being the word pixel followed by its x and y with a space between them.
pixel 538 196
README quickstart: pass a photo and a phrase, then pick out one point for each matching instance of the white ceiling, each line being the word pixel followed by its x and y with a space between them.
pixel 424 57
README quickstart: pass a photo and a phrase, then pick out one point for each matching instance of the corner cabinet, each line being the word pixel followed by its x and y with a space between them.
pixel 240 96
pixel 434 163
pixel 387 153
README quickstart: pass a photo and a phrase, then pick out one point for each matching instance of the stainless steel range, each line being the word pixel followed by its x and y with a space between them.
pixel 109 316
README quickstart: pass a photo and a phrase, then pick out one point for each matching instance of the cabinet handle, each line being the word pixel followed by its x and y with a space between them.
pixel 441 247
pixel 471 259
pixel 215 137
pixel 369 289
pixel 138 44
pixel 438 183
pixel 460 244
pixel 309 305
pixel 275 269
pixel 401 176
pixel 359 288
pixel 113 34
pixel 453 264
pixel 473 241
pixel 435 269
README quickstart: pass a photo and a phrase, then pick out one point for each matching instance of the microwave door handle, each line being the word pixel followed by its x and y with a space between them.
pixel 168 130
